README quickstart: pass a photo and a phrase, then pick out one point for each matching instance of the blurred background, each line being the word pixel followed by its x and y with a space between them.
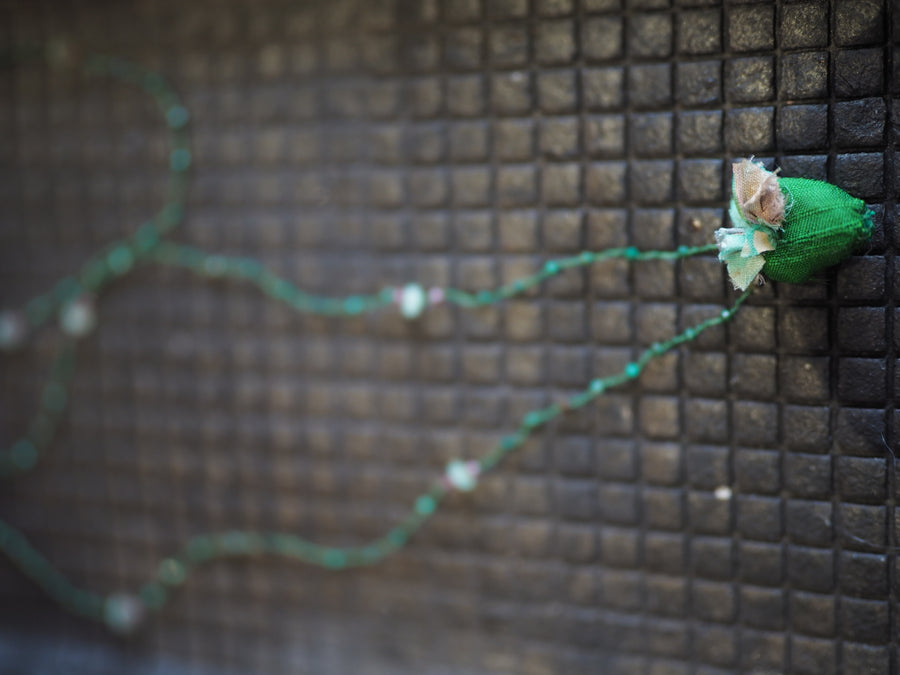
pixel 731 512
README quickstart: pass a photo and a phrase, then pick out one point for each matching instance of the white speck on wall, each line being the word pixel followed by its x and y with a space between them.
pixel 723 492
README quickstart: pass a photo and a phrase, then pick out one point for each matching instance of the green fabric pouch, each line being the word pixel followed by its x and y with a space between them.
pixel 823 225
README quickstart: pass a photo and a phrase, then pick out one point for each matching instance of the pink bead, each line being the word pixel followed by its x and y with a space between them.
pixel 435 295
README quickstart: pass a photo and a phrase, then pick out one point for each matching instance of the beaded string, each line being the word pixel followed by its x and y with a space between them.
pixel 73 300
pixel 122 611
pixel 78 317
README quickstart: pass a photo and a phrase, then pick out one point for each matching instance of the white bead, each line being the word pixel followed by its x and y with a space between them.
pixel 78 318
pixel 462 475
pixel 12 330
pixel 123 612
pixel 412 301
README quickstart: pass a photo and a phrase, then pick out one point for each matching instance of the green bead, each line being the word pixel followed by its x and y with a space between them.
pixel 690 333
pixel 120 259
pixel 598 386
pixel 177 116
pixel 171 214
pixel 552 267
pixel 252 269
pixel 397 537
pixel 24 454
pixel 632 253
pixel 200 549
pixel 533 419
pixel 354 305
pixel 214 266
pixel 726 314
pixel 67 289
pixel 334 559
pixel 94 273
pixel 587 257
pixel 425 505
pixel 484 297
pixel 510 442
pixel 180 159
pixel 147 237
pixel 55 397
pixel 153 595
pixel 172 572
pixel 683 250
pixel 236 542
pixel 155 83
pixel 633 370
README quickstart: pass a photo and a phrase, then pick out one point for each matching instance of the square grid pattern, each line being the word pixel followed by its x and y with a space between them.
pixel 355 144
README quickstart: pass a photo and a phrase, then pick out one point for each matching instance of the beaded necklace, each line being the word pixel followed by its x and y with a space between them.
pixel 788 230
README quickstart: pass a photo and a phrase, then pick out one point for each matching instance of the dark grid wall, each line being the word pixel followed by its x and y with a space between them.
pixel 354 144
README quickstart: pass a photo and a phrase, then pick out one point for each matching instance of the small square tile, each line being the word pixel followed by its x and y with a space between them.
pixel 858 22
pixel 749 129
pixel 557 91
pixel 804 25
pixel 514 140
pixel 602 88
pixel 605 183
pixel 699 132
pixel 555 42
pixel 699 31
pixel 804 75
pixel 507 9
pixel 804 379
pixel 807 476
pixel 811 569
pixel 651 134
pixel 463 48
pixel 698 83
pixel 859 123
pixel 858 73
pixel 508 45
pixel 650 35
pixel 700 180
pixel 559 137
pixel 803 127
pixel 650 86
pixel 605 136
pixel 511 93
pixel 750 80
pixel 602 38
pixel 651 181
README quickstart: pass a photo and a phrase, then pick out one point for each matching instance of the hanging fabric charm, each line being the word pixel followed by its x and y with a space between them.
pixel 788 229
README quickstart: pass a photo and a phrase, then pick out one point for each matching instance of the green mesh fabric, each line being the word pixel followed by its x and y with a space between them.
pixel 823 225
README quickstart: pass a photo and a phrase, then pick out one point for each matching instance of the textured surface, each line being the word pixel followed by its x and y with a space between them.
pixel 355 144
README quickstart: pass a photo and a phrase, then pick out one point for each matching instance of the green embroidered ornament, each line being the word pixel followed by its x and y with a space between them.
pixel 788 229
pixel 823 226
